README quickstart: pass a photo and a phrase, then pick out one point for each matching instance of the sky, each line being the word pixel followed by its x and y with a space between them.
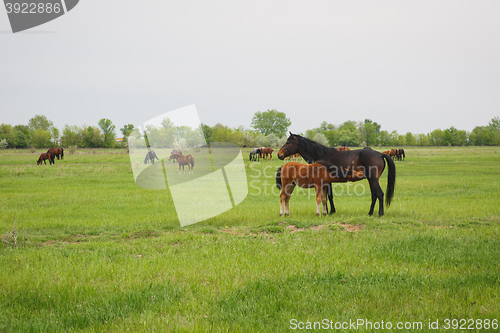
pixel 408 65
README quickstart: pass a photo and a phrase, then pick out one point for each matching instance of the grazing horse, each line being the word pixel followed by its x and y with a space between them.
pixel 46 156
pixel 255 154
pixel 387 152
pixel 150 157
pixel 393 154
pixel 343 149
pixel 318 175
pixel 267 151
pixel 56 152
pixel 401 154
pixel 368 161
pixel 183 160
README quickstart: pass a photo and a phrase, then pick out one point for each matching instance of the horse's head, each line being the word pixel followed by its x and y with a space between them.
pixel 39 161
pixel 290 147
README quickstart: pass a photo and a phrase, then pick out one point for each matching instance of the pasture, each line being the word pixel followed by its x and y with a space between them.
pixel 96 253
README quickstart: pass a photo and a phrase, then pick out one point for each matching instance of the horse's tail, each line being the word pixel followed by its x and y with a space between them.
pixel 192 161
pixel 391 180
pixel 62 153
pixel 278 179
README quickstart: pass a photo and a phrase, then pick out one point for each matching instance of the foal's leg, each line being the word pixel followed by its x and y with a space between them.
pixel 289 189
pixel 318 199
pixel 323 199
pixel 282 200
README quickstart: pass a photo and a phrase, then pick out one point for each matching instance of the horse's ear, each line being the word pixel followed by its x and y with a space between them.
pixel 290 133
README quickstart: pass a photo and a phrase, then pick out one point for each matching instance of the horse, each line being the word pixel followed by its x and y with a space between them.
pixel 46 156
pixel 369 161
pixel 183 160
pixel 318 175
pixel 175 151
pixel 401 154
pixel 150 157
pixel 294 158
pixel 56 152
pixel 387 152
pixel 393 154
pixel 343 148
pixel 255 154
pixel 267 151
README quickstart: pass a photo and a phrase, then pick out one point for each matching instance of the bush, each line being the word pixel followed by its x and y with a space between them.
pixel 3 144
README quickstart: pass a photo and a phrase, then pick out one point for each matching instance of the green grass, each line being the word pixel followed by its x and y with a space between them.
pixel 96 253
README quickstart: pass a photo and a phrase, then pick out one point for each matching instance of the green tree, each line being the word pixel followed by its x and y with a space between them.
pixel 71 136
pixel 410 139
pixel 41 138
pixel 40 122
pixel 126 130
pixel 21 136
pixel 108 131
pixel 271 121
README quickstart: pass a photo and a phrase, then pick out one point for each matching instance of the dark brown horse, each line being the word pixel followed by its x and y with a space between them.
pixel 183 160
pixel 368 161
pixel 46 156
pixel 401 154
pixel 56 151
pixel 317 175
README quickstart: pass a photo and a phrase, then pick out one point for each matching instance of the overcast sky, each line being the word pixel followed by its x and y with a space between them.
pixel 408 65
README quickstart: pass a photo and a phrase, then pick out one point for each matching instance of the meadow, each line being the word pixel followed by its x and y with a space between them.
pixel 84 249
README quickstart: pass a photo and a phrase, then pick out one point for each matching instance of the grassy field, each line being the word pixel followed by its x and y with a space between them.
pixel 97 253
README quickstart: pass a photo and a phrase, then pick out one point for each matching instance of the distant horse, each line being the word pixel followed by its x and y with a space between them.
pixel 393 154
pixel 175 151
pixel 317 175
pixel 368 161
pixel 255 154
pixel 183 160
pixel 294 158
pixel 387 152
pixel 343 149
pixel 56 152
pixel 267 151
pixel 150 157
pixel 401 154
pixel 46 156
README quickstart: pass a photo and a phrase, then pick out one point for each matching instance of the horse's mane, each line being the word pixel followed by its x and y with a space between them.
pixel 313 147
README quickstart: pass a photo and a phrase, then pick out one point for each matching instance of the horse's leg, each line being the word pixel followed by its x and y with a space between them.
pixel 324 190
pixel 377 193
pixel 282 200
pixel 289 190
pixel 330 199
pixel 318 199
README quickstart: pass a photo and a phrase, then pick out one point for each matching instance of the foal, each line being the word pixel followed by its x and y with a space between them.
pixel 183 160
pixel 318 175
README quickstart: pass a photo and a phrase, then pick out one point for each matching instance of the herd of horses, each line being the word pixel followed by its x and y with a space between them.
pixel 50 155
pixel 261 152
pixel 324 166
pixel 396 154
pixel 327 165
pixel 175 155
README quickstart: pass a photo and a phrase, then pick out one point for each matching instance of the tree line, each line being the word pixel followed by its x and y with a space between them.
pixel 269 128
